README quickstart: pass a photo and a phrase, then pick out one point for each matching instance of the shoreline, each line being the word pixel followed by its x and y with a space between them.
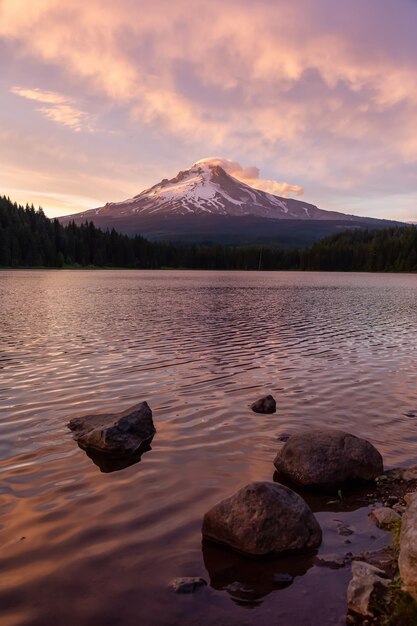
pixel 193 269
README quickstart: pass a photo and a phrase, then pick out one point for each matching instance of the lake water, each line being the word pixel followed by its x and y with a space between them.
pixel 80 546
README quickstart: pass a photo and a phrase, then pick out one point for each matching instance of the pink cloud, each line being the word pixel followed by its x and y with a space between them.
pixel 326 90
pixel 251 176
pixel 60 108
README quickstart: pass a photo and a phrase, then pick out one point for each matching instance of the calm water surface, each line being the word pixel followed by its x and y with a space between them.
pixel 79 546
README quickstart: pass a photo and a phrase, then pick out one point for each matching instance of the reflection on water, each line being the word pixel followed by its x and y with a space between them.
pixel 334 349
pixel 248 580
pixel 114 463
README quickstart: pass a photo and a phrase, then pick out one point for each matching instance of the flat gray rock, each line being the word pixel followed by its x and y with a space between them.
pixel 187 584
pixel 384 517
pixel 263 518
pixel 368 588
pixel 328 458
pixel 114 433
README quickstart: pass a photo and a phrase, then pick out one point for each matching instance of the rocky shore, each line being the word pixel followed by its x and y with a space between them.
pixel 267 520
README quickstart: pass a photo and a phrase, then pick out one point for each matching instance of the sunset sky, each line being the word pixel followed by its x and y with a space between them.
pixel 102 98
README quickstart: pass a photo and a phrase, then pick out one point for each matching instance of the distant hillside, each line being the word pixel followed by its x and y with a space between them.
pixel 29 239
pixel 387 250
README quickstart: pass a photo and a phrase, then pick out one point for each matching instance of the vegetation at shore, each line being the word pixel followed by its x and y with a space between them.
pixel 29 239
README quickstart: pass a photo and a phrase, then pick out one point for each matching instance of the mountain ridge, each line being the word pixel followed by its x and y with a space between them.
pixel 205 201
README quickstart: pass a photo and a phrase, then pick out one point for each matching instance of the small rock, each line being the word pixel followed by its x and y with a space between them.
pixel 384 517
pixel 283 437
pixel 282 579
pixel 345 531
pixel 238 587
pixel 368 589
pixel 328 458
pixel 382 559
pixel 263 518
pixel 187 584
pixel 392 500
pixel 408 497
pixel 265 405
pixel 331 562
pixel 410 473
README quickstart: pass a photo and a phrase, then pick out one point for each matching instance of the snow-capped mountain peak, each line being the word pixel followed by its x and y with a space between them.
pixel 205 189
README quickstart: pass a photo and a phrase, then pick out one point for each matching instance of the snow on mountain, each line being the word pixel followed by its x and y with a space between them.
pixel 206 189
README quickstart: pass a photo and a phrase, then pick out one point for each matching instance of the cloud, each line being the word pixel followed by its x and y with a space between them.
pixel 251 176
pixel 60 109
pixel 323 93
pixel 39 95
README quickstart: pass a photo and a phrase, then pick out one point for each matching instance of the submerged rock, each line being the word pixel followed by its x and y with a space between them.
pixel 187 584
pixel 114 433
pixel 261 519
pixel 328 458
pixel 264 405
pixel 384 517
pixel 367 591
pixel 407 560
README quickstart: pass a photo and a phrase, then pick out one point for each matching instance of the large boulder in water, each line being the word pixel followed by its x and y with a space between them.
pixel 328 458
pixel 263 518
pixel 115 433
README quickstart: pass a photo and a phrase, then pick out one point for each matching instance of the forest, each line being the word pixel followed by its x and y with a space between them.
pixel 30 239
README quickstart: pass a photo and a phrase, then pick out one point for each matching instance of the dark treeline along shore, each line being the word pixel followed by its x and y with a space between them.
pixel 29 239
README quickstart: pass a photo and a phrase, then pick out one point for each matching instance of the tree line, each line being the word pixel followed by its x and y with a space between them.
pixel 29 239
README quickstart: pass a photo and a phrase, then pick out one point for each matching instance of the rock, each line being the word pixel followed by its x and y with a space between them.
pixel 237 587
pixel 264 405
pixel 114 433
pixel 332 562
pixel 410 473
pixel 344 530
pixel 283 437
pixel 407 560
pixel 382 559
pixel 187 584
pixel 368 589
pixel 409 497
pixel 283 579
pixel 328 458
pixel 261 519
pixel 384 517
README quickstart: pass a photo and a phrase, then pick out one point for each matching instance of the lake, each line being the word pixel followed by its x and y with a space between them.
pixel 81 546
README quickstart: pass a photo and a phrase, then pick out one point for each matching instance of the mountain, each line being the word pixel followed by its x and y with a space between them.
pixel 205 203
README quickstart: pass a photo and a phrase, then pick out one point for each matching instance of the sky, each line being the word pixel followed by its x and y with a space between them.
pixel 304 98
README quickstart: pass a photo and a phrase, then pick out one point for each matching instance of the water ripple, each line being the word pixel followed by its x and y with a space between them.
pixel 336 350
